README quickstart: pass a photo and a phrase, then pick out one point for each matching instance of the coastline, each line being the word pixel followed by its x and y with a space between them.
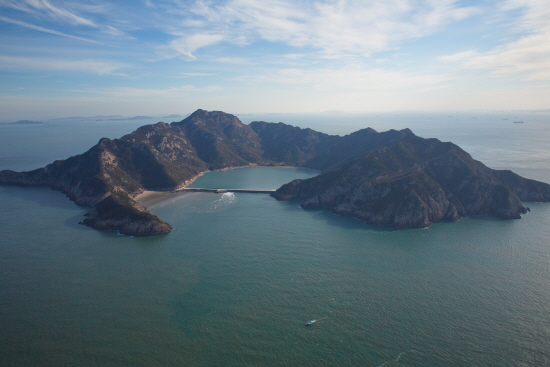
pixel 148 197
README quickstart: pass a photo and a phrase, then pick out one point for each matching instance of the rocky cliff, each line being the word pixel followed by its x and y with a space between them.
pixel 105 179
pixel 411 182
pixel 393 177
pixel 154 157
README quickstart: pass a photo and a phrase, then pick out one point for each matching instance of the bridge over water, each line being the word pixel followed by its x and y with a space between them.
pixel 221 191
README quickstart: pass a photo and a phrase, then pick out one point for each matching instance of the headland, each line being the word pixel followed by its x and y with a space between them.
pixel 390 178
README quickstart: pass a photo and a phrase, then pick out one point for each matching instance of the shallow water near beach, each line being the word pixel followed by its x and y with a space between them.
pixel 241 274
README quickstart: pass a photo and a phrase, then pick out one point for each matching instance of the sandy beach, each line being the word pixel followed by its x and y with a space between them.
pixel 149 198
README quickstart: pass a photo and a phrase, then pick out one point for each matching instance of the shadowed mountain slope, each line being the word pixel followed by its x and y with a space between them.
pixel 289 144
pixel 413 182
pixel 221 140
pixel 154 157
pixel 393 177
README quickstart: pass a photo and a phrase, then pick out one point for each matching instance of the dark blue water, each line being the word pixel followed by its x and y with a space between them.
pixel 239 276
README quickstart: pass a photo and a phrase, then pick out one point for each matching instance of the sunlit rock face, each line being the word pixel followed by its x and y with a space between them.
pixel 413 182
pixel 392 178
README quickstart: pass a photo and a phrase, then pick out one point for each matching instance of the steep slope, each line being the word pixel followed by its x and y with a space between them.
pixel 175 156
pixel 221 140
pixel 393 177
pixel 104 178
pixel 413 183
pixel 352 145
pixel 154 157
pixel 289 144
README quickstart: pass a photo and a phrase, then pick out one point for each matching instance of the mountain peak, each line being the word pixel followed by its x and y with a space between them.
pixel 392 177
pixel 210 118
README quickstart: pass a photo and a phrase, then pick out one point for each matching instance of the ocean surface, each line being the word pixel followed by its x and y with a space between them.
pixel 241 274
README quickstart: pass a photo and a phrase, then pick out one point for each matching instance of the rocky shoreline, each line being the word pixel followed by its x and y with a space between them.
pixel 149 197
pixel 391 178
pixel 433 182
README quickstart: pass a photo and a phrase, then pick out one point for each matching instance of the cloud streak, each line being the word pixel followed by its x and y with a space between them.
pixel 358 79
pixel 37 7
pixel 45 30
pixel 128 92
pixel 527 57
pixel 332 28
pixel 24 64
pixel 43 11
pixel 283 54
pixel 187 45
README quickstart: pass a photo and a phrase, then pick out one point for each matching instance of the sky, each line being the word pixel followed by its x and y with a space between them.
pixel 63 58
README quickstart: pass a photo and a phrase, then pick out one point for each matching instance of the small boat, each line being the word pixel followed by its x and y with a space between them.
pixel 518 122
pixel 311 322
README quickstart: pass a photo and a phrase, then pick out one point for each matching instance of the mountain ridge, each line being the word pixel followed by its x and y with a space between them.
pixel 414 183
pixel 393 178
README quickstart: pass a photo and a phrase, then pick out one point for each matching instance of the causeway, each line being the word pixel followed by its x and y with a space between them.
pixel 220 191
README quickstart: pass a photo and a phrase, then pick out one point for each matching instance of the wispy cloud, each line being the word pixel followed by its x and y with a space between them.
pixel 10 63
pixel 45 7
pixel 46 30
pixel 460 56
pixel 55 16
pixel 358 79
pixel 333 28
pixel 527 57
pixel 233 60
pixel 128 92
pixel 186 45
pixel 186 75
pixel 308 53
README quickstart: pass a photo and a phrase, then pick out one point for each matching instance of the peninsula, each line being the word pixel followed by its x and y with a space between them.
pixel 391 178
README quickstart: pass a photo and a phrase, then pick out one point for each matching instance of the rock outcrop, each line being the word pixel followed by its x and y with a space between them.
pixel 126 216
pixel 154 157
pixel 414 182
pixel 393 177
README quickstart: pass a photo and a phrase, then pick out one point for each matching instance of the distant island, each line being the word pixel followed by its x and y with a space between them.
pixel 392 178
pixel 23 122
pixel 131 118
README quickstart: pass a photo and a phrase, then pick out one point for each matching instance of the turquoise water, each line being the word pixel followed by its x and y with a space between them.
pixel 239 276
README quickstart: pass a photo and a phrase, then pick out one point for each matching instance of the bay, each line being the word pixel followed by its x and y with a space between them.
pixel 239 276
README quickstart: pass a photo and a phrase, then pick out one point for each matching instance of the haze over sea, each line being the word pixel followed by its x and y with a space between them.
pixel 240 274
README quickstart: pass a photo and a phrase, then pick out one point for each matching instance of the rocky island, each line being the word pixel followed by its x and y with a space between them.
pixel 391 178
pixel 23 122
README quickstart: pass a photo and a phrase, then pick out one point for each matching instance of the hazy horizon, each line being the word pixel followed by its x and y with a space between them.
pixel 183 115
pixel 63 58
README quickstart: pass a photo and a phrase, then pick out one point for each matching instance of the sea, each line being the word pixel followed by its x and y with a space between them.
pixel 240 275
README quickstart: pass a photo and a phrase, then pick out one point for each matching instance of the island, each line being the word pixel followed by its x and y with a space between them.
pixel 23 122
pixel 392 178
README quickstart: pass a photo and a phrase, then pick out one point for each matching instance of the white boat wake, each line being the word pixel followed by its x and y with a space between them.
pixel 220 204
